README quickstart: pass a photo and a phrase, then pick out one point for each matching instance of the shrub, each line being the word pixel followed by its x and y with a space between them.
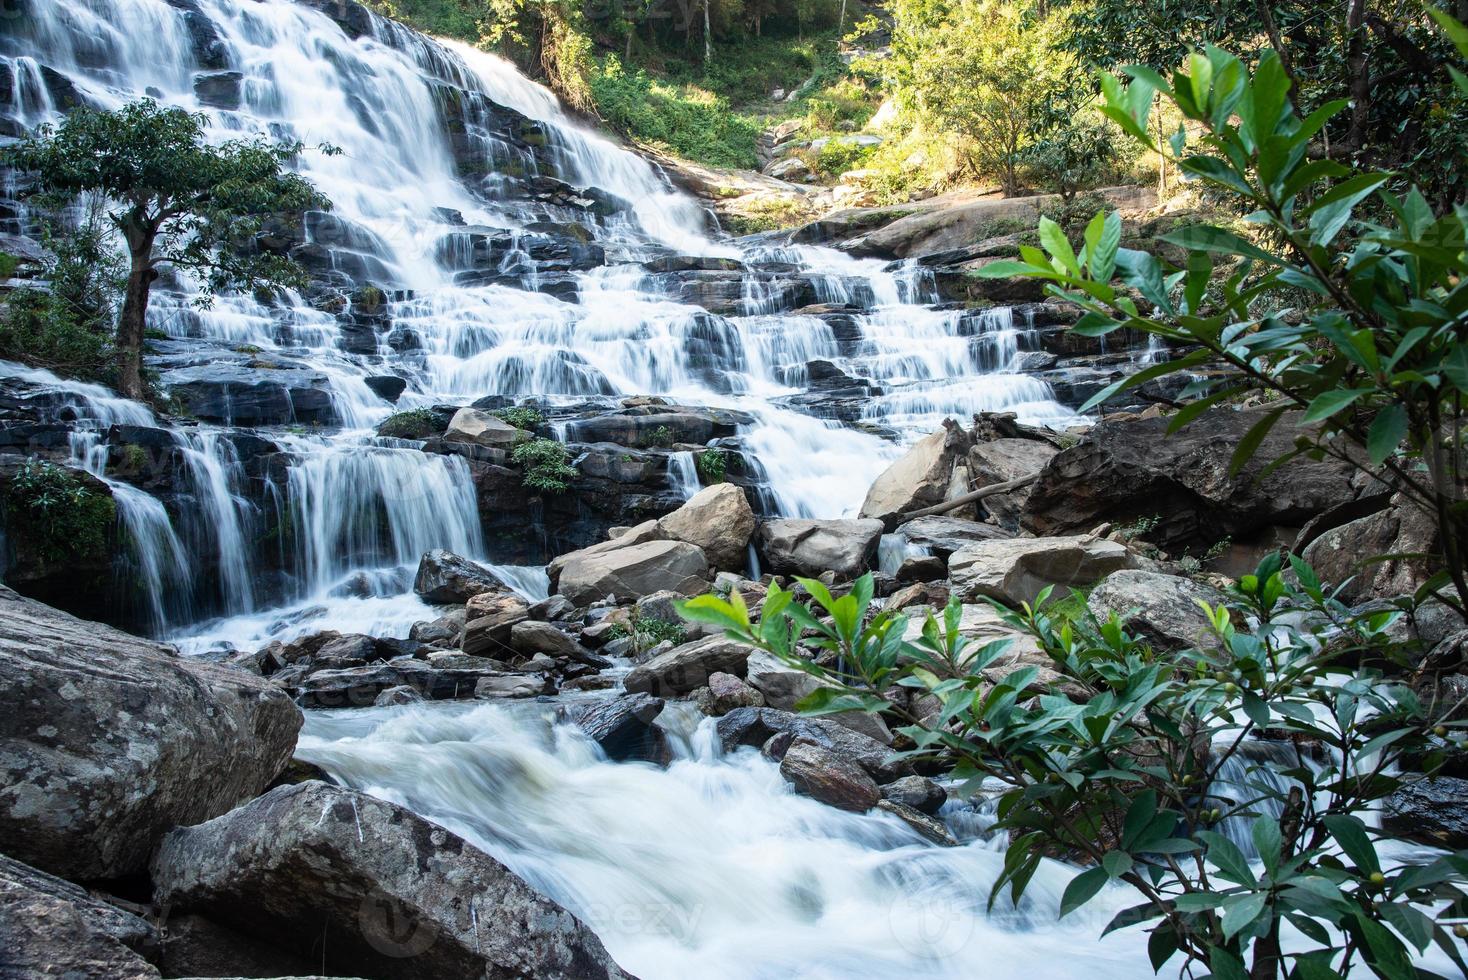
pixel 1121 762
pixel 684 120
pixel 647 632
pixel 56 514
pixel 661 437
pixel 711 465
pixel 522 417
pixel 412 423
pixel 546 465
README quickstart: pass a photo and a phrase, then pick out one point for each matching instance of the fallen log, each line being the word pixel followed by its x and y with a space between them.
pixel 992 490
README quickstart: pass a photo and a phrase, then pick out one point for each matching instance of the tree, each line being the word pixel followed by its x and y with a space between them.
pixel 177 202
pixel 1072 147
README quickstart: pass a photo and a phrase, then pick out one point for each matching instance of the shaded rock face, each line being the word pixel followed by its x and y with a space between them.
pixel 756 726
pixel 1002 460
pixel 1163 609
pixel 800 546
pixel 52 928
pixel 623 727
pixel 383 892
pixel 1129 469
pixel 445 578
pixel 1342 553
pixel 109 740
pixel 1017 570
pixel 943 535
pixel 1434 811
pixel 634 571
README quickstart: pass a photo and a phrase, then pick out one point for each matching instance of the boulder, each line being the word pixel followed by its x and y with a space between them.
pixel 640 534
pixel 491 618
pixel 400 695
pixel 756 726
pixel 800 546
pixel 1433 811
pixel 724 693
pixel 925 824
pixel 1015 571
pixel 377 890
pixel 688 667
pixel 532 637
pixel 1163 609
pixel 480 428
pixel 817 772
pixel 445 579
pixel 942 535
pixel 635 570
pixel 52 928
pixel 918 792
pixel 359 687
pixel 717 519
pixel 1002 460
pixel 108 740
pixel 623 726
pixel 1345 555
pixel 1129 468
pixel 196 946
pixel 782 686
pixel 511 686
pixel 922 477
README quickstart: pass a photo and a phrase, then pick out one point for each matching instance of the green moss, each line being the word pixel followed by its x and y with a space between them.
pixel 56 515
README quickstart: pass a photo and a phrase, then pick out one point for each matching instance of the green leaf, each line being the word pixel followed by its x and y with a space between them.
pixel 1082 888
pixel 1008 269
pixel 1350 833
pixel 1240 911
pixel 1225 965
pixel 1227 857
pixel 1249 444
pixel 1328 403
pixel 1052 236
pixel 1452 27
pixel 1267 840
pixel 1329 214
pixel 1387 431
pixel 1208 238
pixel 1103 256
pixel 1161 945
pixel 1116 863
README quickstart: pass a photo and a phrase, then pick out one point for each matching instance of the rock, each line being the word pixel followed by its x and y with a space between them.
pixel 388 387
pixel 480 428
pixel 925 568
pixel 383 892
pixel 755 726
pixel 1002 460
pixel 782 686
pixel 822 775
pixel 1163 609
pixel 801 546
pixel 491 618
pixel 352 650
pixel 196 946
pixel 688 667
pixel 1127 469
pixel 641 534
pixel 445 631
pixel 942 535
pixel 402 694
pixel 445 578
pixel 220 89
pixel 918 792
pixel 511 686
pixel 552 609
pixel 724 693
pixel 789 168
pixel 108 740
pixel 237 394
pixel 921 478
pixel 634 570
pixel 717 519
pixel 531 637
pixel 1348 552
pixel 1015 571
pixel 52 928
pixel 623 727
pixel 928 826
pixel 1433 811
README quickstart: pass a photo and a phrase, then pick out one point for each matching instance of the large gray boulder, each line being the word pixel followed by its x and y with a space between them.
pixel 1001 460
pixel 1434 811
pixel 922 477
pixel 688 667
pixel 717 519
pixel 1016 570
pixel 107 741
pixel 52 928
pixel 1161 608
pixel 445 578
pixel 1348 555
pixel 623 726
pixel 383 892
pixel 942 535
pixel 800 546
pixel 477 427
pixel 821 774
pixel 634 571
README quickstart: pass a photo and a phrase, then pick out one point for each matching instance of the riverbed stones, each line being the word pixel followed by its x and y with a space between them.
pixel 918 792
pixel 717 519
pixel 1434 811
pixel 756 726
pixel 490 621
pixel 1163 609
pixel 109 740
pixel 445 578
pixel 1000 461
pixel 801 546
pixel 821 774
pixel 383 892
pixel 686 668
pixel 532 637
pixel 632 571
pixel 511 686
pixel 724 693
pixel 1016 570
pixel 942 535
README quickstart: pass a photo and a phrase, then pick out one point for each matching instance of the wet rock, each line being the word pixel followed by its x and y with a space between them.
pixel 442 632
pixel 402 694
pixel 925 824
pixel 552 609
pixel 351 650
pixel 511 686
pixel 1127 469
pixel 717 519
pixel 688 667
pixel 53 928
pixel 724 693
pixel 635 570
pixel 1347 555
pixel 1161 608
pixel 386 386
pixel 445 578
pixel 196 946
pixel 801 546
pixel 755 726
pixel 659 426
pixel 1015 571
pixel 219 90
pixel 314 867
pixel 108 740
pixel 358 687
pixel 918 792
pixel 1433 811
pixel 623 726
pixel 922 477
pixel 1002 460
pixel 490 619
pixel 237 394
pixel 943 535
pixel 816 772
pixel 783 686
pixel 532 637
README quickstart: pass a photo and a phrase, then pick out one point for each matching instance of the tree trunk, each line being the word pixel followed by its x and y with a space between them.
pixel 133 319
pixel 1359 77
pixel 708 38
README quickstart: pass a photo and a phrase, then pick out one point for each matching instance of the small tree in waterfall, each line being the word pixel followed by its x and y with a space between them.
pixel 177 201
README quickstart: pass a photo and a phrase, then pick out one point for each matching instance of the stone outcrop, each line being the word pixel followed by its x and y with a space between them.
pixel 375 889
pixel 1016 570
pixel 633 571
pixel 799 546
pixel 1343 555
pixel 477 427
pixel 717 519
pixel 817 772
pixel 757 726
pixel 1163 609
pixel 108 741
pixel 688 667
pixel 623 726
pixel 999 461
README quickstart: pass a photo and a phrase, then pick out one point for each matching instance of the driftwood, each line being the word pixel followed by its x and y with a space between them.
pixel 968 498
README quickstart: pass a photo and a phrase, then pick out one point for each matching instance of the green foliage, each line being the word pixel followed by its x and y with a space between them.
pixel 55 515
pixel 711 464
pixel 661 437
pixel 838 156
pixel 769 212
pixel 1371 368
pixel 546 465
pixel 1126 768
pixel 684 120
pixel 1074 147
pixel 646 632
pixel 522 417
pixel 412 423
